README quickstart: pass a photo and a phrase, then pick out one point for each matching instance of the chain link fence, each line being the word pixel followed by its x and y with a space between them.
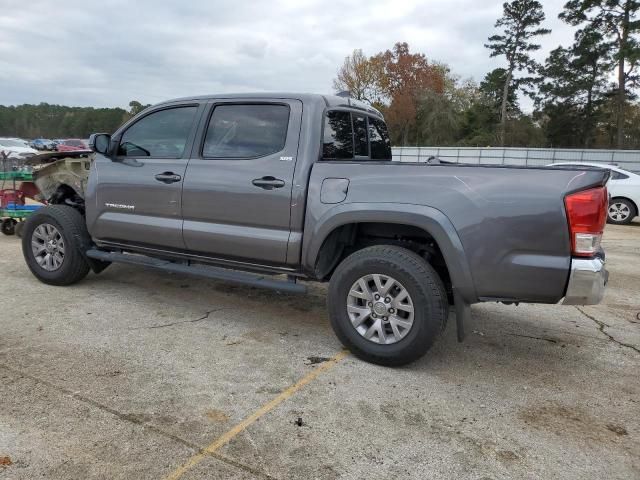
pixel 625 159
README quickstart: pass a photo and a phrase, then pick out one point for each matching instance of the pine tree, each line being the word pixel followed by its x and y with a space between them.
pixel 520 24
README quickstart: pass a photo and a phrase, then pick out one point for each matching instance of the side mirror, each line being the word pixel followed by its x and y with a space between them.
pixel 99 142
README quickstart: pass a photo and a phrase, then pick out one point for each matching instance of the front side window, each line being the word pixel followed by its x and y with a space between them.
pixel 246 131
pixel 162 134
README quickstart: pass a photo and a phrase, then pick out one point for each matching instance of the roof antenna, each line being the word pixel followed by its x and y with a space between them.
pixel 344 94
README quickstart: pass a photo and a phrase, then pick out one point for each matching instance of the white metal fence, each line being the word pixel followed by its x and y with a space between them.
pixel 626 159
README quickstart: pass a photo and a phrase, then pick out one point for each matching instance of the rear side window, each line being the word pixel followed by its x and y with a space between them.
pixel 338 136
pixel 379 138
pixel 246 131
pixel 161 134
pixel 349 135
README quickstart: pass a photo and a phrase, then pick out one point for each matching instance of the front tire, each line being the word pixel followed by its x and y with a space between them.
pixel 54 239
pixel 387 305
pixel 621 211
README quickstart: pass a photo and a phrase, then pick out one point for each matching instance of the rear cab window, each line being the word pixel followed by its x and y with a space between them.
pixel 351 135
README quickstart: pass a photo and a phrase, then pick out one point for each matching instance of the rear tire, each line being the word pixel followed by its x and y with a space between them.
pixel 621 211
pixel 395 336
pixel 60 232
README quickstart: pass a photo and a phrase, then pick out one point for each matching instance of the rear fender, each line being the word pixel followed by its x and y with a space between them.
pixel 429 219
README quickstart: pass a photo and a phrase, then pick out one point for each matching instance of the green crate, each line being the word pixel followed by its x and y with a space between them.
pixel 19 176
pixel 14 213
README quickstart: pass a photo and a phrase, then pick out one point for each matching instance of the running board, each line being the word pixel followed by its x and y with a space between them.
pixel 216 273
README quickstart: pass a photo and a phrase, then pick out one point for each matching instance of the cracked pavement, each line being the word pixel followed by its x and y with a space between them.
pixel 132 372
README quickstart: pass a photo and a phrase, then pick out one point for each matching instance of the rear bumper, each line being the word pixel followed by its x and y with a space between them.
pixel 587 281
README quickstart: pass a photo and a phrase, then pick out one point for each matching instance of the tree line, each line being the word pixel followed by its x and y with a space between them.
pixel 584 94
pixel 58 121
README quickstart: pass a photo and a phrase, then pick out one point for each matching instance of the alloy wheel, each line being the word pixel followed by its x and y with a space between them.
pixel 380 309
pixel 48 247
pixel 619 211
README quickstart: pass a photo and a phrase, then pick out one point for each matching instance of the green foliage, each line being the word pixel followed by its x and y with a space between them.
pixel 618 23
pixel 574 88
pixel 57 121
pixel 492 87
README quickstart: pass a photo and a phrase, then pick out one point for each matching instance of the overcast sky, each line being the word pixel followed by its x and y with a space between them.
pixel 108 52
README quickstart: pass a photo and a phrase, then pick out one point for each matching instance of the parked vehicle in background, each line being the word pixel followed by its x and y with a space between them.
pixel 71 145
pixel 624 192
pixel 16 148
pixel 22 141
pixel 243 188
pixel 43 144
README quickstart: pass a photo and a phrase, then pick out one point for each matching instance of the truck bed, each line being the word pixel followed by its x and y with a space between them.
pixel 511 221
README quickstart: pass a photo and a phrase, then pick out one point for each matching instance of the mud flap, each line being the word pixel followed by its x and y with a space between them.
pixel 463 313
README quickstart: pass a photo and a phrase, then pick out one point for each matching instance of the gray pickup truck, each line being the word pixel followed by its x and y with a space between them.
pixel 269 189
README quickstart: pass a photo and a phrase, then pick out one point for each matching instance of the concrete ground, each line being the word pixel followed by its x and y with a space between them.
pixel 136 374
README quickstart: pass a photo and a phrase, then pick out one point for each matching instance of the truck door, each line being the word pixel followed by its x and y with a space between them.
pixel 236 200
pixel 138 191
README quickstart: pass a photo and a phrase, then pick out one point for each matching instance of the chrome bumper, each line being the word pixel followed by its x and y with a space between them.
pixel 586 282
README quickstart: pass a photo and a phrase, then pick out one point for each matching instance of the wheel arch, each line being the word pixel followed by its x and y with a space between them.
pixel 429 220
pixel 65 194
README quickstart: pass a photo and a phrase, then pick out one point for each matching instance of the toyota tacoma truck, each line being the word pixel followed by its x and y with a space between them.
pixel 269 189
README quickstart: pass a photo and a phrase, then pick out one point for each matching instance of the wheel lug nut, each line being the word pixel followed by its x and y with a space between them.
pixel 373 315
pixel 370 304
pixel 385 318
pixel 387 300
pixel 391 310
pixel 377 297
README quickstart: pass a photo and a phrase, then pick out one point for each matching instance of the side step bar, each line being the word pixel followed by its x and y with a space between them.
pixel 216 273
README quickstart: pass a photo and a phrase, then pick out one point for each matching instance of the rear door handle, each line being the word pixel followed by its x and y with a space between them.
pixel 268 183
pixel 168 177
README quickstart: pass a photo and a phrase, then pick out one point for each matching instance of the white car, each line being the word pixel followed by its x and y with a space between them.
pixel 14 147
pixel 624 191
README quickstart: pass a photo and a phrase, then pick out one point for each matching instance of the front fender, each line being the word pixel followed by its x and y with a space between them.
pixel 429 219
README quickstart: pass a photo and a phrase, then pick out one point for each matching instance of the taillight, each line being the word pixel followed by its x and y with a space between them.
pixel 587 215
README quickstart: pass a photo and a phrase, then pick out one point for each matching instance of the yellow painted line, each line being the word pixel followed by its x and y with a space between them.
pixel 244 424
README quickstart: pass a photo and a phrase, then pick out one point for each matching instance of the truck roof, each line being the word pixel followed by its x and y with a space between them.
pixel 331 101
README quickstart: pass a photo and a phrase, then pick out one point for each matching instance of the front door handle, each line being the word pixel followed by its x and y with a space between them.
pixel 268 183
pixel 168 177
